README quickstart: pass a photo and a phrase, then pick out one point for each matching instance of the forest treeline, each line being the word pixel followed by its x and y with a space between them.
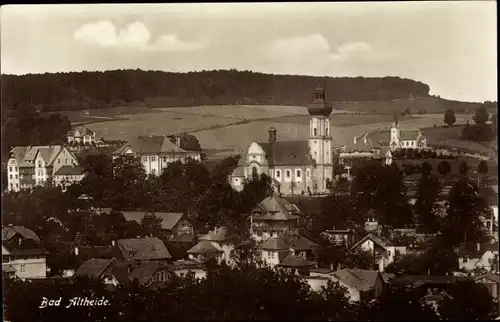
pixel 89 90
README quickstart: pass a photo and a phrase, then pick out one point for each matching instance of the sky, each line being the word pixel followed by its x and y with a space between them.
pixel 451 46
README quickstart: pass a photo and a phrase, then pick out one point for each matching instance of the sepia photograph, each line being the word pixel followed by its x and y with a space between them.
pixel 328 161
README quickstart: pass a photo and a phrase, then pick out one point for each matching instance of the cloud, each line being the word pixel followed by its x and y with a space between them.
pixel 134 36
pixel 317 47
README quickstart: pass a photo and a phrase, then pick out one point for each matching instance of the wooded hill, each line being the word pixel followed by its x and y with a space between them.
pixel 89 90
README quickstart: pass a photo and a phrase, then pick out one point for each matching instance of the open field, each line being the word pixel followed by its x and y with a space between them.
pixel 234 127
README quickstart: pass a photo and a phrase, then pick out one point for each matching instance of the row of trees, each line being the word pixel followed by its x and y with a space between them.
pixel 245 292
pixel 481 131
pixel 87 90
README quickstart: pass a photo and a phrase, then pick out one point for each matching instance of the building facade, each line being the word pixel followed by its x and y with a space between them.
pixel 406 139
pixel 296 167
pixel 81 135
pixel 22 254
pixel 156 152
pixel 31 166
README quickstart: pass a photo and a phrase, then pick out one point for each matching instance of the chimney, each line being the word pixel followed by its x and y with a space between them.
pixel 19 241
pixel 113 243
pixel 331 267
pixel 291 251
pixel 178 141
pixel 478 245
pixel 339 267
pixel 355 140
pixel 76 251
pixel 272 134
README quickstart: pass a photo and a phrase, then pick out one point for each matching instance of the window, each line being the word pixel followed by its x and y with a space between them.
pixel 17 185
pixel 288 173
pixel 153 171
pixel 23 268
pixel 66 161
pixel 12 186
pixel 145 159
pixel 10 169
pixel 298 174
pixel 39 164
pixel 326 131
pixel 164 159
pixel 153 159
pixel 488 224
pixel 17 177
pixel 58 161
pixel 10 176
pixel 5 258
pixel 315 132
pixel 278 173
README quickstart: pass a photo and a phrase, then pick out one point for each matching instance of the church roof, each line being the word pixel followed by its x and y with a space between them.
pixel 409 135
pixel 287 152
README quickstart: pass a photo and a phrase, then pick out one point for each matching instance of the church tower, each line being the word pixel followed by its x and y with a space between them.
pixel 320 140
pixel 395 133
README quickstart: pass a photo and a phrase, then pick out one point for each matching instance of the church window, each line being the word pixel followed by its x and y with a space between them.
pixel 278 173
pixel 288 173
pixel 298 174
pixel 315 132
pixel 326 131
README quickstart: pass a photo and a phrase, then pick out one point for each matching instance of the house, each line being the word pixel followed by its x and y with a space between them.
pixel 30 166
pixel 81 135
pixel 214 243
pixel 482 257
pixel 371 222
pixel 361 285
pixel 294 262
pixel 176 223
pixel 178 245
pixel 156 152
pixel 358 149
pixel 272 217
pixel 143 249
pixel 22 254
pixel 183 268
pixel 150 274
pixel 99 268
pixel 284 249
pixel 339 237
pixel 383 250
pixel 491 281
pixel 406 139
pixel 68 175
pixel 490 196
pixel 237 178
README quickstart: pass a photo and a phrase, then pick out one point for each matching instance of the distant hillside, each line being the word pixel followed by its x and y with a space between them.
pixel 418 105
pixel 89 90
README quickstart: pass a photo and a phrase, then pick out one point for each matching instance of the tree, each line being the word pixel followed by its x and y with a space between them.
pixel 426 206
pixel 444 167
pixel 151 225
pixel 468 301
pixel 397 305
pixel 425 169
pixel 481 116
pixel 449 117
pixel 465 209
pixel 463 168
pixel 482 168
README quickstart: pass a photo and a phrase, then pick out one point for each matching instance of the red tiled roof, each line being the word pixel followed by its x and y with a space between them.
pixel 68 170
pixel 287 152
pixel 204 247
pixel 94 267
pixel 143 249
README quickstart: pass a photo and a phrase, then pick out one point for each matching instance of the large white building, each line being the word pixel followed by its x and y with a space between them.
pixel 156 152
pixel 296 167
pixel 406 139
pixel 31 166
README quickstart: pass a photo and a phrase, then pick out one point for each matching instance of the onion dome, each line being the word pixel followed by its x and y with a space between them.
pixel 319 106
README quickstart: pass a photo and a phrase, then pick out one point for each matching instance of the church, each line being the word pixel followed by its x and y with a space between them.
pixel 406 139
pixel 296 167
